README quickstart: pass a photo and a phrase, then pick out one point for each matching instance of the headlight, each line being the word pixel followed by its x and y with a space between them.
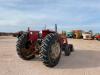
pixel 31 33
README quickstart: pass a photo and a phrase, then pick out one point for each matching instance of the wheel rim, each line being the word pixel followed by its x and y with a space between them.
pixel 55 50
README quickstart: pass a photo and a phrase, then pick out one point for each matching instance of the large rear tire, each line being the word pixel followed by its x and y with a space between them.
pixel 23 48
pixel 50 50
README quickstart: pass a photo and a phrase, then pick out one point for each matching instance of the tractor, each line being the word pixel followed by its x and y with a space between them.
pixel 48 45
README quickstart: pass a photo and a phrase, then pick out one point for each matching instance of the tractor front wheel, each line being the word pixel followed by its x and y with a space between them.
pixel 67 50
pixel 71 47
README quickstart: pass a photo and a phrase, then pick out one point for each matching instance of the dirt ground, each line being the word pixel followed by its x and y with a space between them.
pixel 84 61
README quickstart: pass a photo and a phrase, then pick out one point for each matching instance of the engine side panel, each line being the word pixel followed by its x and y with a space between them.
pixel 33 36
pixel 45 32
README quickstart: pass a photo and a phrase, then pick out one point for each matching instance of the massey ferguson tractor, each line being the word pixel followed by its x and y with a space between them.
pixel 48 45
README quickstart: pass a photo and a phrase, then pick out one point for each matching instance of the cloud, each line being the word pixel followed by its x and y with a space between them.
pixel 69 13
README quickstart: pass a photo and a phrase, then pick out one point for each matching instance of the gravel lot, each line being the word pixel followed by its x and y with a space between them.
pixel 84 61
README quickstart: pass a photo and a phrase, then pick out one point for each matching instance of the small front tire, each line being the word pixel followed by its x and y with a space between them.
pixel 67 50
pixel 71 47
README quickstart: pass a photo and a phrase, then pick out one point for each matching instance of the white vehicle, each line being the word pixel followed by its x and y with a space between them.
pixel 87 36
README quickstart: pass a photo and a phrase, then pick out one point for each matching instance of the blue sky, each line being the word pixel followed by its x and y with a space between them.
pixel 17 15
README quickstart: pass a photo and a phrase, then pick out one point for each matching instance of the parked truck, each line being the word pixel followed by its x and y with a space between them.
pixel 88 35
pixel 70 35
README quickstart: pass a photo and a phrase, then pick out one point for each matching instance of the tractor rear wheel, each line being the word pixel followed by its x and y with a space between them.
pixel 23 48
pixel 50 50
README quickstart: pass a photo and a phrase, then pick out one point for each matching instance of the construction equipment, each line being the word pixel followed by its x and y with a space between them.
pixel 77 34
pixel 48 45
pixel 88 35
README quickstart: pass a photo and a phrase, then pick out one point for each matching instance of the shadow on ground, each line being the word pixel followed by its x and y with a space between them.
pixel 80 59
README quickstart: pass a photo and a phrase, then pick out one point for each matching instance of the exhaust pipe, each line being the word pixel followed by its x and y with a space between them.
pixel 55 27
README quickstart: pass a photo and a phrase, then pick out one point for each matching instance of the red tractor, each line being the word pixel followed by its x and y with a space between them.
pixel 48 45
